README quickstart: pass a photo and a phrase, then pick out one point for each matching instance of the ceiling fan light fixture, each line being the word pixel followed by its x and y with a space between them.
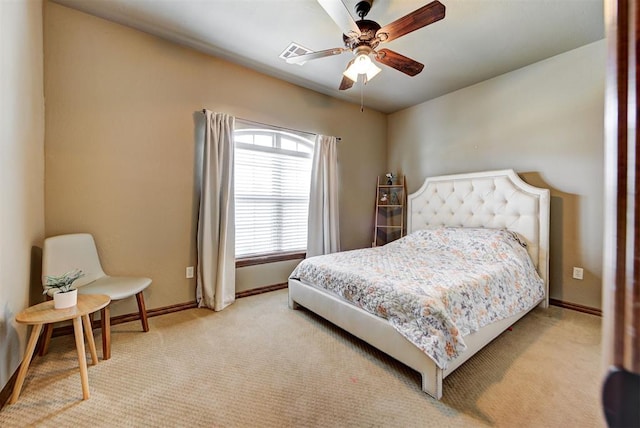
pixel 362 65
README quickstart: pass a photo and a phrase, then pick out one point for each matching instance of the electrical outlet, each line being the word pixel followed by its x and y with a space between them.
pixel 578 273
pixel 189 272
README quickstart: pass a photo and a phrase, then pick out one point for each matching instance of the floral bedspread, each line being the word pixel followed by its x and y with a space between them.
pixel 434 286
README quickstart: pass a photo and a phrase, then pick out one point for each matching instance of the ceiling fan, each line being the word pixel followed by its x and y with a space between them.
pixel 363 37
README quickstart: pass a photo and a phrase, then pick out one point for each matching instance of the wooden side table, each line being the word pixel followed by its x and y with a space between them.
pixel 44 313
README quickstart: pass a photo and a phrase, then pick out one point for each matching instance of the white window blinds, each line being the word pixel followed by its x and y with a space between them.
pixel 272 178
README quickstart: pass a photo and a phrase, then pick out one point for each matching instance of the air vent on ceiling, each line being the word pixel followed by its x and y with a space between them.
pixel 294 49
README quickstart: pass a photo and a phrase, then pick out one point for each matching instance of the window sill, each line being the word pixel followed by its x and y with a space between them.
pixel 268 258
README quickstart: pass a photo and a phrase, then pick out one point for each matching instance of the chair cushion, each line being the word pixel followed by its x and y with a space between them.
pixel 116 287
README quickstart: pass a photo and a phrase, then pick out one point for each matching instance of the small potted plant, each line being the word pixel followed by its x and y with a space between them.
pixel 61 289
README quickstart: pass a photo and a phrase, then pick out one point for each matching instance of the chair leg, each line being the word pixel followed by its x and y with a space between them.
pixel 143 311
pixel 46 338
pixel 105 326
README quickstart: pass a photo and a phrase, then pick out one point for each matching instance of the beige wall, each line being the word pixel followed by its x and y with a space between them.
pixel 546 121
pixel 250 277
pixel 21 172
pixel 120 145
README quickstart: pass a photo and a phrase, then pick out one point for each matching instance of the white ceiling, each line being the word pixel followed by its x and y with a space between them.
pixel 477 39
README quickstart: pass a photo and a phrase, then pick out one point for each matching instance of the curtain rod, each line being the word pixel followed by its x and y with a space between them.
pixel 253 122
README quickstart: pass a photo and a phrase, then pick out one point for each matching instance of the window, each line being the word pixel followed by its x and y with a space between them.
pixel 272 179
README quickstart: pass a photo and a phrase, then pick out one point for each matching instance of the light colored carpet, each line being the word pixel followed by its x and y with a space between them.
pixel 260 364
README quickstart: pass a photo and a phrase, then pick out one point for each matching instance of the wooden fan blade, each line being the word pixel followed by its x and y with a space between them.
pixel 399 62
pixel 346 82
pixel 315 55
pixel 417 19
pixel 340 15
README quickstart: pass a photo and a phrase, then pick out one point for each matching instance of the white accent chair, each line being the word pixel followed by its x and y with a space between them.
pixel 65 253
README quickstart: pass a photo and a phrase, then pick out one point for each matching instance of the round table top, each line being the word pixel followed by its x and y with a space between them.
pixel 44 313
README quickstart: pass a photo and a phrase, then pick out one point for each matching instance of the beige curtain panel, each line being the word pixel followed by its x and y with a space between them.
pixel 323 236
pixel 216 223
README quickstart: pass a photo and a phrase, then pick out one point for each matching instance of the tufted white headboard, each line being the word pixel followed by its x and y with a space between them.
pixel 492 199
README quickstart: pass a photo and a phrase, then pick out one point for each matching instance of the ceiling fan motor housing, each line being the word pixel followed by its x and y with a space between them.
pixel 368 30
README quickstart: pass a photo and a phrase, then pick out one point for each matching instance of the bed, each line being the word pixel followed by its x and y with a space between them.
pixel 494 200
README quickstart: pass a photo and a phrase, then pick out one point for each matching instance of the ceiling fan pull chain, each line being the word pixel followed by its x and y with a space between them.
pixel 362 83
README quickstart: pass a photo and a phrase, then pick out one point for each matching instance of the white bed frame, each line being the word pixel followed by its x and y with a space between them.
pixel 493 199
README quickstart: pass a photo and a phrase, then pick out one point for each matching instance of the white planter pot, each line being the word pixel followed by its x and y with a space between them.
pixel 65 300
